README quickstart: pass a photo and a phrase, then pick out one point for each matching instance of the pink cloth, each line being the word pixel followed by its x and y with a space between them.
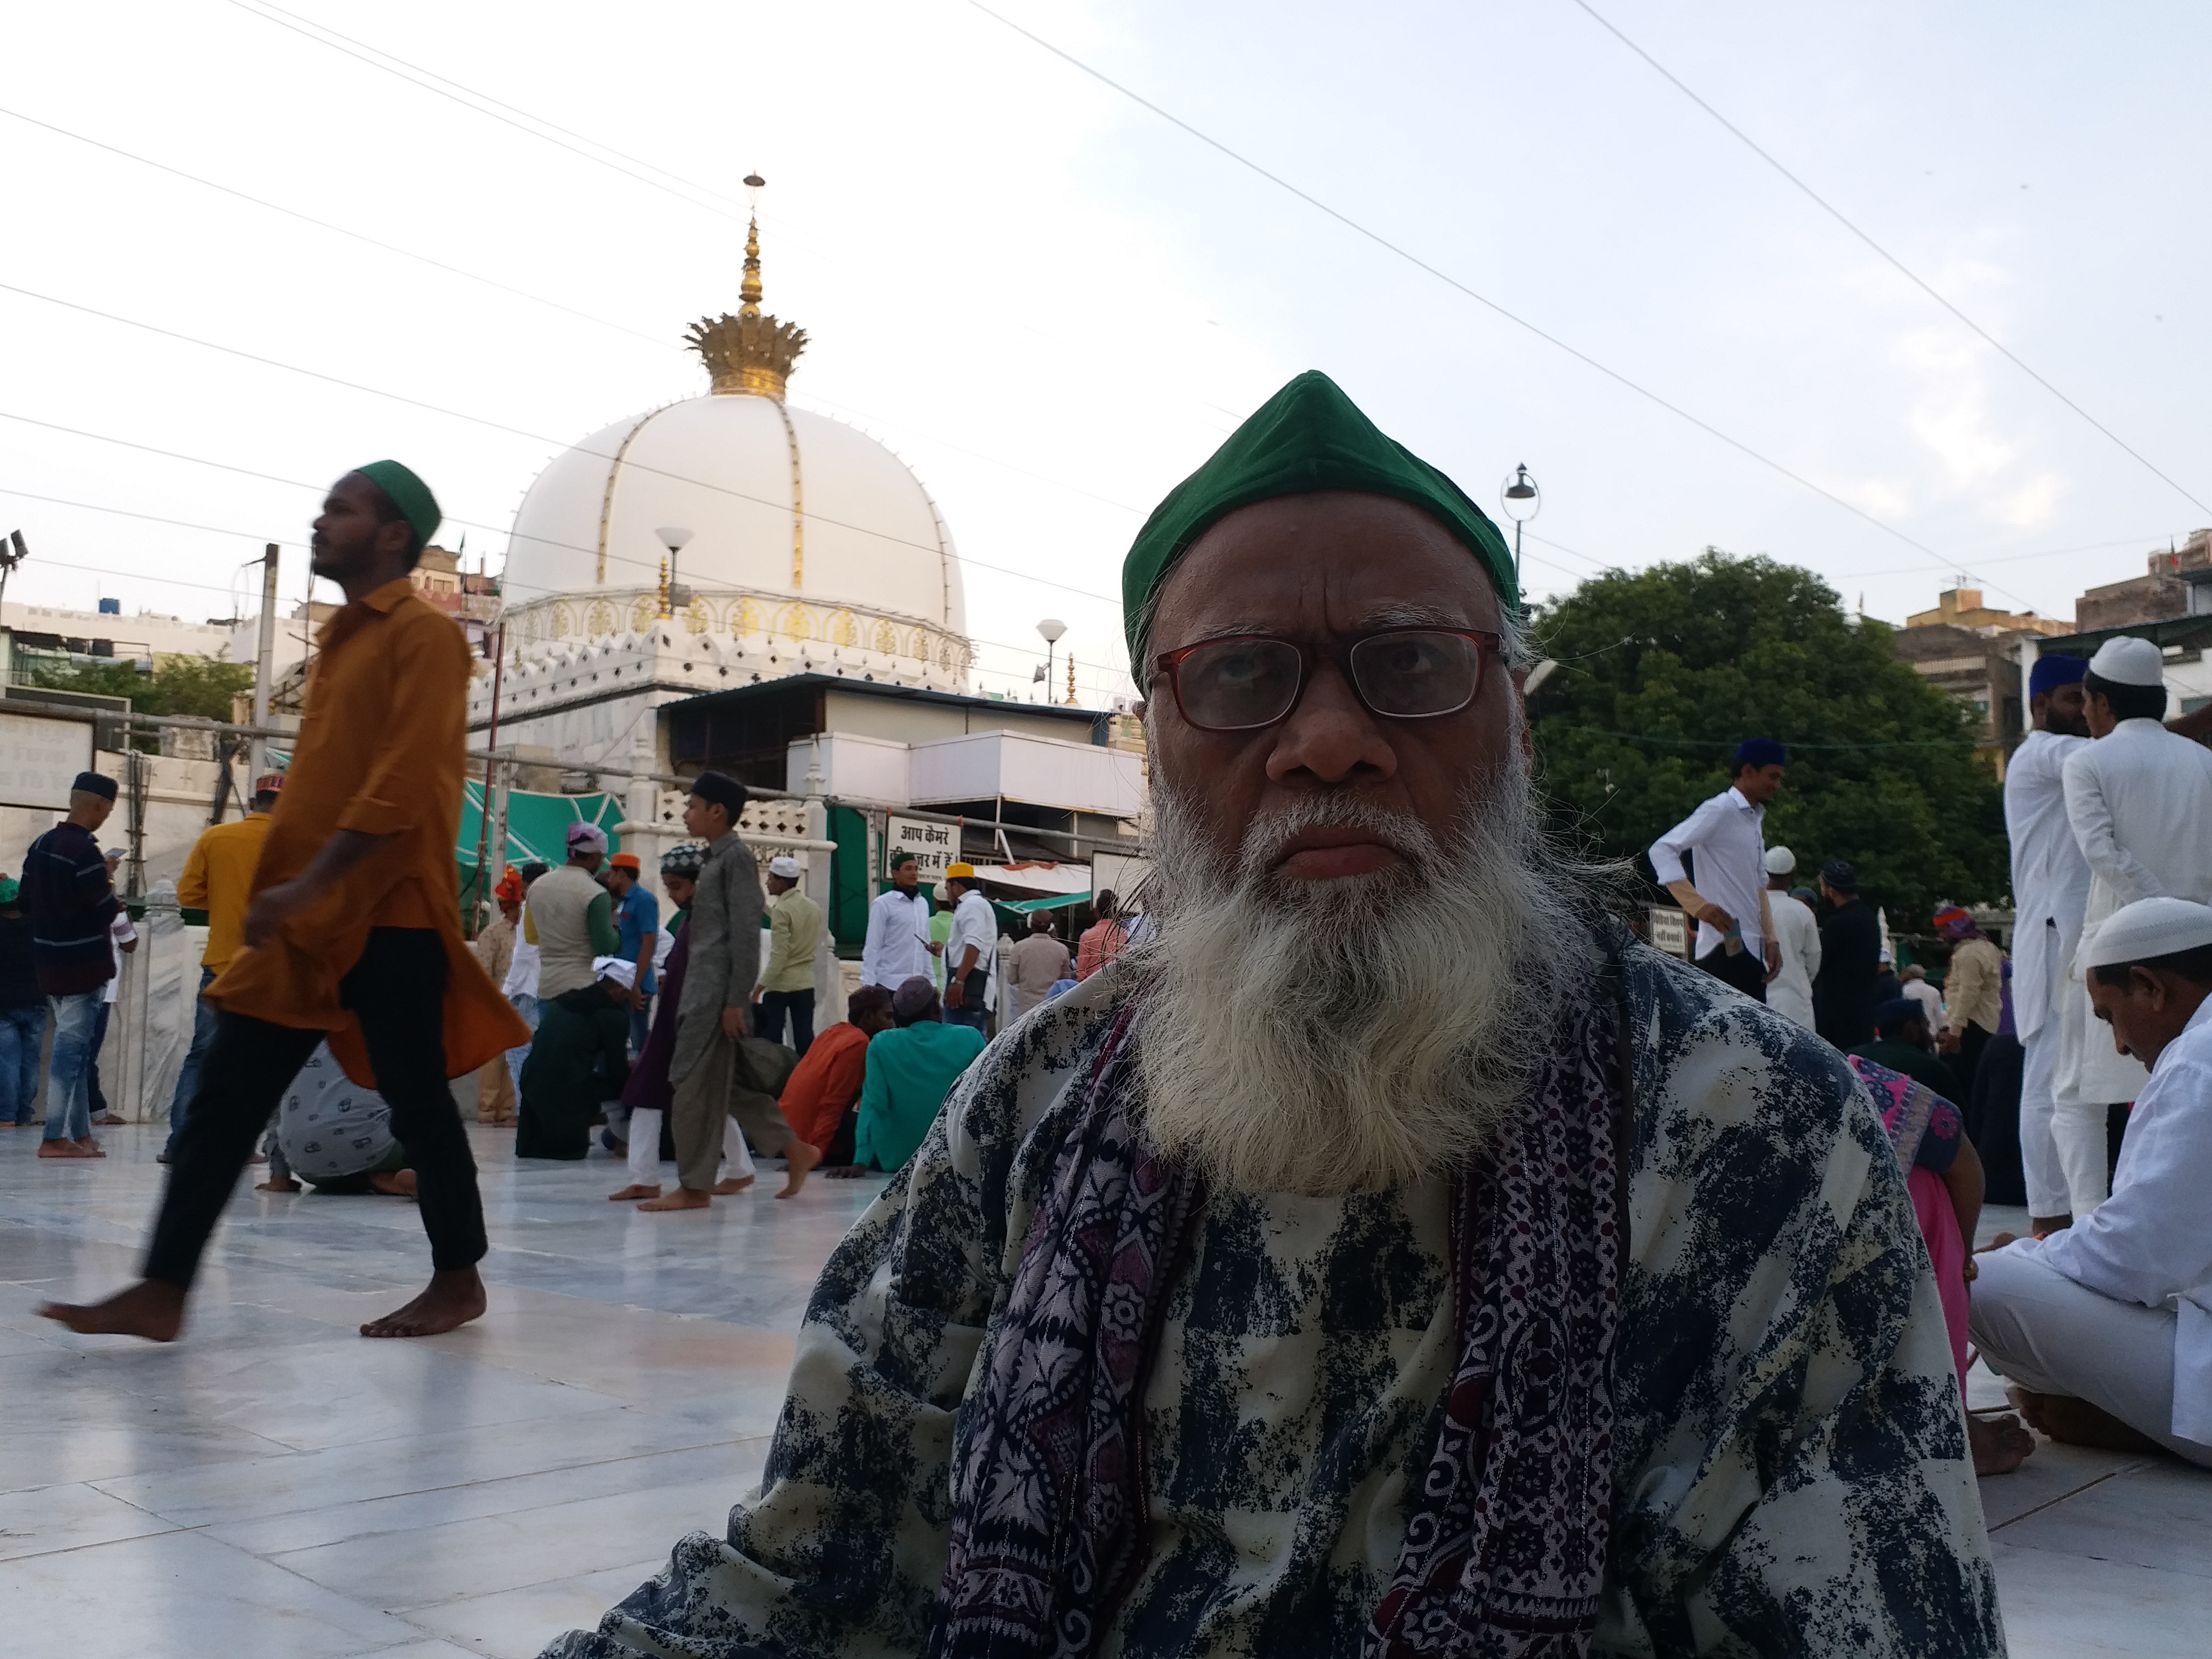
pixel 1939 1225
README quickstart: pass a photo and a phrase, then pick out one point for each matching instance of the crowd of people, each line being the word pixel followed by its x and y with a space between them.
pixel 2031 1071
pixel 1373 1246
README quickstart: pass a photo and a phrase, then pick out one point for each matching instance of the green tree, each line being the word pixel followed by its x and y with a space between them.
pixel 1663 672
pixel 179 684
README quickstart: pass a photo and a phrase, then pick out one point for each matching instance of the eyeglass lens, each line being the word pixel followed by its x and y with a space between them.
pixel 1231 685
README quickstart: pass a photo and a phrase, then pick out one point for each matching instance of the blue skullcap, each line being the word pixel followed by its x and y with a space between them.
pixel 1760 751
pixel 1896 1012
pixel 2051 672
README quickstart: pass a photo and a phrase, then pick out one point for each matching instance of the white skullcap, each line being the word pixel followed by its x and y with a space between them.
pixel 617 968
pixel 785 868
pixel 1781 862
pixel 2128 660
pixel 2148 927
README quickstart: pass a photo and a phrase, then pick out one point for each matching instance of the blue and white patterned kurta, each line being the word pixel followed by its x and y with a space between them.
pixel 1791 1471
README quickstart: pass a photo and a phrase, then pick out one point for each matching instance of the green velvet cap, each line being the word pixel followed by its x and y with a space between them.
pixel 1308 437
pixel 408 494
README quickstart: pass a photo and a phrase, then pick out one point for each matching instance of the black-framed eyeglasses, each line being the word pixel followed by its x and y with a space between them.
pixel 1248 681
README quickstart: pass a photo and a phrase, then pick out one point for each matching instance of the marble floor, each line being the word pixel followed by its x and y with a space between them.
pixel 274 1484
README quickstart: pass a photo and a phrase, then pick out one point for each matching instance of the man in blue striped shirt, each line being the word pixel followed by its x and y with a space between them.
pixel 71 901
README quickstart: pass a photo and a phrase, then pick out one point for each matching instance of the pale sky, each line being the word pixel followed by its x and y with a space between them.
pixel 1052 303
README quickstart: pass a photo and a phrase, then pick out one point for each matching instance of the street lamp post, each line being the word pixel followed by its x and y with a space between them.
pixel 1522 501
pixel 678 597
pixel 1051 628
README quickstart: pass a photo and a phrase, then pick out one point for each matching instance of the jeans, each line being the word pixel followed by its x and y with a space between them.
pixel 526 1004
pixel 396 990
pixel 97 1101
pixel 768 1016
pixel 68 1104
pixel 188 1079
pixel 22 1030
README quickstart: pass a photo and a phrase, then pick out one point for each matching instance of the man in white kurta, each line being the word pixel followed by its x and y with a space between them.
pixel 2140 802
pixel 1789 993
pixel 897 948
pixel 2117 1309
pixel 2061 1145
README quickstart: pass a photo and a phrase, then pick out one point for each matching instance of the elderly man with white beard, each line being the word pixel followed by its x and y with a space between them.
pixel 1389 1257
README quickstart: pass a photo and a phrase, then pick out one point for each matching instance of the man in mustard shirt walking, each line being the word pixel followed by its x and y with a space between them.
pixel 218 878
pixel 352 934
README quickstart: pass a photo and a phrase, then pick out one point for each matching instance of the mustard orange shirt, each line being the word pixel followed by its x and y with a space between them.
pixel 381 750
pixel 218 878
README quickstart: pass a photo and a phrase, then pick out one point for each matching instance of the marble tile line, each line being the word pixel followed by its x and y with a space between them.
pixel 2062 1496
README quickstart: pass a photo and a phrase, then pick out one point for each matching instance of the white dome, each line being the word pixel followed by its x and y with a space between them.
pixel 782 505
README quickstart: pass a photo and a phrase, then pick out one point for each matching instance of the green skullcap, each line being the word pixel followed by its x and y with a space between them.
pixel 408 494
pixel 1308 437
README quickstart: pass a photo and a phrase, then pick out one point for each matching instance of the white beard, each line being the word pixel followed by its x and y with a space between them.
pixel 1325 1037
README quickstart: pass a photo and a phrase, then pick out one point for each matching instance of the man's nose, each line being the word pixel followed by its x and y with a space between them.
pixel 1330 738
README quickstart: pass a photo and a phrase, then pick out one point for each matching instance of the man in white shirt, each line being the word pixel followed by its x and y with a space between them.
pixel 1789 993
pixel 2139 801
pixel 898 946
pixel 971 953
pixel 1725 835
pixel 2106 1328
pixel 2062 1141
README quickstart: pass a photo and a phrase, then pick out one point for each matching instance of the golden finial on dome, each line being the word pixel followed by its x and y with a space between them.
pixel 749 352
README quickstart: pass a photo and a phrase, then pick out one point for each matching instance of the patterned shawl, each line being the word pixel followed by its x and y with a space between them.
pixel 1505 1551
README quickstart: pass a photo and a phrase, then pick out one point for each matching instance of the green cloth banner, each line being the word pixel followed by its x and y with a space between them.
pixel 537 826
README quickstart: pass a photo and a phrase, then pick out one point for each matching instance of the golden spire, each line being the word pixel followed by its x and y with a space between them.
pixel 749 352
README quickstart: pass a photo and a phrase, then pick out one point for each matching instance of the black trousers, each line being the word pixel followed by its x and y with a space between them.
pixel 396 990
pixel 769 1013
pixel 1745 970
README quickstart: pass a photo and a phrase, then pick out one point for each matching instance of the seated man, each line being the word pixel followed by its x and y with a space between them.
pixel 1904 1043
pixel 2105 1326
pixel 910 1072
pixel 336 1135
pixel 1387 1255
pixel 822 1099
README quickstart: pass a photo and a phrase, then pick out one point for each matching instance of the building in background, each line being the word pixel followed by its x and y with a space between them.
pixel 1972 651
pixel 2176 582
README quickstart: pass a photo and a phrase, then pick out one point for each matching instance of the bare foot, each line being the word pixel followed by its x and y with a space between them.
pixel 277 1186
pixel 682 1199
pixel 799 1157
pixel 398 1184
pixel 89 1146
pixel 734 1184
pixel 1999 1444
pixel 63 1149
pixel 149 1309
pixel 2075 1422
pixel 110 1119
pixel 450 1300
pixel 632 1192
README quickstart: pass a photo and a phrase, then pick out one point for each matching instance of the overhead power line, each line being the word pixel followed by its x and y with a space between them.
pixel 1453 283
pixel 1891 259
pixel 536 437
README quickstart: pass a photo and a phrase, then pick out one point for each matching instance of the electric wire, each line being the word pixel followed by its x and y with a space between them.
pixel 535 437
pixel 1895 263
pixel 1453 283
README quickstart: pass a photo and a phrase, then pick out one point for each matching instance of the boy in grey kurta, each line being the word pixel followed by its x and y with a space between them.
pixel 712 1078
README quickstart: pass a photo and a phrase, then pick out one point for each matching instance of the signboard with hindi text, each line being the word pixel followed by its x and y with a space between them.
pixel 40 758
pixel 934 847
pixel 1670 930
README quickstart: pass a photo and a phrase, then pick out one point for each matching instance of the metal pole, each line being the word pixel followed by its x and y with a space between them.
pixel 483 817
pixel 264 658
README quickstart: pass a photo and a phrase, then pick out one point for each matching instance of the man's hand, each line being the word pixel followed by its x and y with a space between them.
pixel 936 947
pixel 636 1000
pixel 273 908
pixel 1773 960
pixel 129 946
pixel 734 1023
pixel 756 993
pixel 1719 920
pixel 1946 1042
pixel 952 993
